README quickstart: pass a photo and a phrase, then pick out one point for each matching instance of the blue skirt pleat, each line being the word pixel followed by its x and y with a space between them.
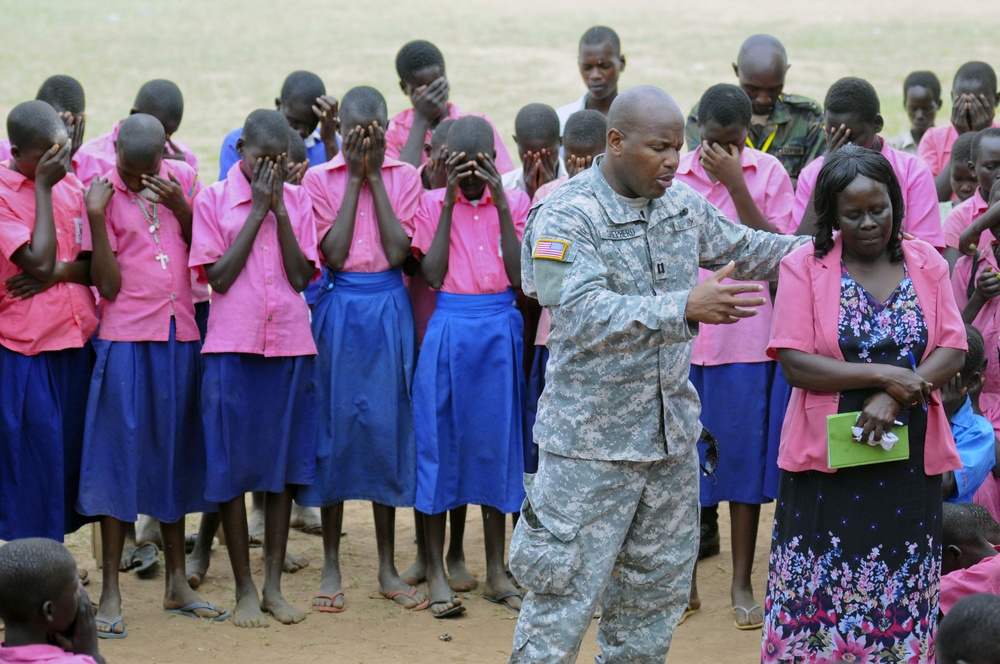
pixel 736 408
pixel 143 445
pixel 468 396
pixel 367 449
pixel 43 401
pixel 259 415
pixel 536 385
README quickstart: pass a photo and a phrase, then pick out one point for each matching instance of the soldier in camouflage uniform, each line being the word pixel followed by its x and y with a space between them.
pixel 612 513
pixel 788 127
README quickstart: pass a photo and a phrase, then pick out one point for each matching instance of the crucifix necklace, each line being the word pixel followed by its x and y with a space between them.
pixel 154 229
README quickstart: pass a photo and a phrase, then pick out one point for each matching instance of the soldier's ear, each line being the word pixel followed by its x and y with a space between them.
pixel 616 140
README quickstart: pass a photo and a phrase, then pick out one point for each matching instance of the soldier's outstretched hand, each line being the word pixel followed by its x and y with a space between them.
pixel 712 301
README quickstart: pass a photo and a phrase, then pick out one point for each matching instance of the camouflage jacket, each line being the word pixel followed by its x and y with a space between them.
pixel 617 285
pixel 797 124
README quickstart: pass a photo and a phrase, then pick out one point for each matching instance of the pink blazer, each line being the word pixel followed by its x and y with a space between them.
pixel 806 312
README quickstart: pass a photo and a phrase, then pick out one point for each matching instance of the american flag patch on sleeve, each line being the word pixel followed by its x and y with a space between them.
pixel 553 250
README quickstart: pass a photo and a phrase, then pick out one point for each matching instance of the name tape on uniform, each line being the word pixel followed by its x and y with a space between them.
pixel 553 250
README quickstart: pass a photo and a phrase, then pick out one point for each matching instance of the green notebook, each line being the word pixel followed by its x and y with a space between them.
pixel 842 451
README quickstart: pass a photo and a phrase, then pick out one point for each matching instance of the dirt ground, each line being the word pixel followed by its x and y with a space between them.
pixel 373 630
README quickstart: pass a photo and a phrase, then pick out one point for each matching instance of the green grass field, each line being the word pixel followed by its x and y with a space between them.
pixel 231 57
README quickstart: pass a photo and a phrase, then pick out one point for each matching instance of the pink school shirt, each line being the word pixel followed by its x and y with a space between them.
pixel 935 147
pixel 771 189
pixel 152 292
pixel 543 192
pixel 97 156
pixel 475 264
pixel 41 652
pixel 923 217
pixel 962 216
pixel 327 184
pixel 987 322
pixel 260 313
pixel 806 314
pixel 399 131
pixel 5 152
pixel 63 316
pixel 983 577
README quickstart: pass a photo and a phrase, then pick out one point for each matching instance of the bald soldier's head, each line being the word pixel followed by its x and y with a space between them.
pixel 645 135
pixel 761 66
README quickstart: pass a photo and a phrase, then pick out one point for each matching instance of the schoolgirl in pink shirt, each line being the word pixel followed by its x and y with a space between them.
pixel 852 116
pixel 752 188
pixel 364 204
pixel 254 238
pixel 469 385
pixel 47 316
pixel 143 449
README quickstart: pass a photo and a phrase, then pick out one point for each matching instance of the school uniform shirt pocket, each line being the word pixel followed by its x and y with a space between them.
pixel 544 552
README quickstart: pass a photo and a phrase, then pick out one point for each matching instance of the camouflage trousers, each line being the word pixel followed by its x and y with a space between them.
pixel 621 533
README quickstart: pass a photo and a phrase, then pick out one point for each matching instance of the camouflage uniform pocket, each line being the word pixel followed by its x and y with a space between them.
pixel 544 551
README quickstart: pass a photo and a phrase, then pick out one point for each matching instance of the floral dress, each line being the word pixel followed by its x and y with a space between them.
pixel 855 555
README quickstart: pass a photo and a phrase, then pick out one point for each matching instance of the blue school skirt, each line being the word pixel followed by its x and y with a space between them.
pixel 366 449
pixel 143 445
pixel 736 408
pixel 468 395
pixel 259 415
pixel 536 385
pixel 43 403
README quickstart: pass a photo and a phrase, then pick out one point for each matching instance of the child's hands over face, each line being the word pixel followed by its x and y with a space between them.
pixel 262 184
pixel 953 395
pixel 55 163
pixel 836 138
pixel 74 127
pixel 431 101
pixel 960 114
pixel 354 152
pixel 458 170
pixel 81 637
pixel 326 109
pixel 722 163
pixel 171 151
pixel 437 169
pixel 99 195
pixel 169 193
pixel 486 171
pixel 296 172
pixel 980 113
pixel 278 183
pixel 575 165
pixel 374 151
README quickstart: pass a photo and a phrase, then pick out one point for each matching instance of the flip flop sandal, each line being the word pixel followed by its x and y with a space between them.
pixel 146 559
pixel 189 611
pixel 502 597
pixel 747 627
pixel 111 633
pixel 332 598
pixel 688 612
pixel 399 593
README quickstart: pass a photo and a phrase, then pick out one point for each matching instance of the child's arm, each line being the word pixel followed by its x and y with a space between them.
pixel 223 272
pixel 834 141
pixel 172 196
pixel 968 241
pixel 298 268
pixel 435 262
pixel 326 108
pixel 395 242
pixel 22 285
pixel 104 269
pixel 726 167
pixel 336 244
pixel 428 104
pixel 38 257
pixel 510 246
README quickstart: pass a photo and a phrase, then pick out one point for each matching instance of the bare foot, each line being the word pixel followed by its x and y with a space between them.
pixel 277 606
pixel 330 597
pixel 747 613
pixel 196 568
pixel 460 578
pixel 294 563
pixel 255 527
pixel 392 587
pixel 502 592
pixel 442 599
pixel 416 574
pixel 306 519
pixel 247 612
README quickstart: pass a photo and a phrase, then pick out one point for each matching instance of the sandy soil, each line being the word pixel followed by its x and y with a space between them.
pixel 374 630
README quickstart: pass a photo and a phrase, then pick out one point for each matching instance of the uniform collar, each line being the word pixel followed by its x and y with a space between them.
pixel 618 210
pixel 238 185
pixel 780 115
pixel 14 179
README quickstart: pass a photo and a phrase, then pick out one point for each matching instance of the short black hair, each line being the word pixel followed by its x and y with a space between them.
pixel 726 105
pixel 416 56
pixel 302 87
pixel 925 79
pixel 976 354
pixel 537 122
pixel 586 127
pixel 264 125
pixel 364 104
pixel 959 527
pixel 471 135
pixel 961 149
pixel 161 99
pixel 296 147
pixel 977 140
pixel 141 137
pixel 853 95
pixel 32 571
pixel 987 524
pixel 601 34
pixel 971 631
pixel 839 170
pixel 977 71
pixel 440 135
pixel 63 93
pixel 33 124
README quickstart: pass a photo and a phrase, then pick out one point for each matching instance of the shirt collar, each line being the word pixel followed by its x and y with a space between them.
pixel 312 138
pixel 780 115
pixel 13 179
pixel 614 203
pixel 239 187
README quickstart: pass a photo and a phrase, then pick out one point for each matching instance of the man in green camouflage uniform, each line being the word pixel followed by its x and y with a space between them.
pixel 788 127
pixel 612 514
